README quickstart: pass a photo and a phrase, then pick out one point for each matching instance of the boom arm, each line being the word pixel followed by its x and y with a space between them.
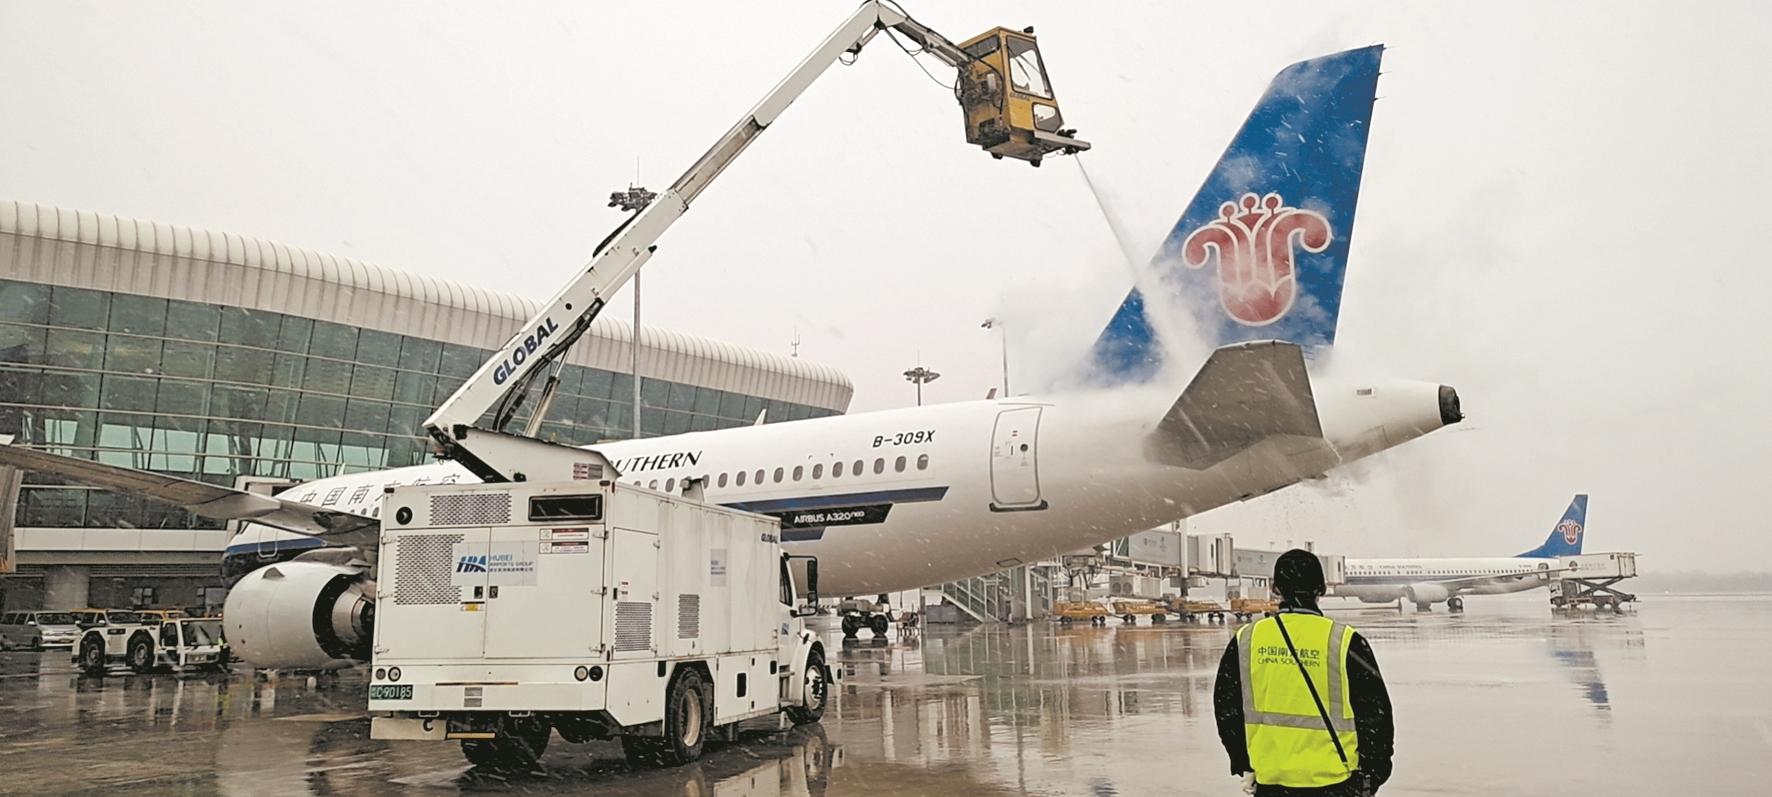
pixel 503 381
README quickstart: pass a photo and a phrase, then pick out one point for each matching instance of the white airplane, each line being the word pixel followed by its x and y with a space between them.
pixel 905 498
pixel 1425 582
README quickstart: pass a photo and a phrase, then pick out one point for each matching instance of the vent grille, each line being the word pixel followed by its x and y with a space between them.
pixel 471 509
pixel 423 569
pixel 688 616
pixel 633 625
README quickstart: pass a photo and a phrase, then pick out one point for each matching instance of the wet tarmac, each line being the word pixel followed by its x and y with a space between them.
pixel 1504 699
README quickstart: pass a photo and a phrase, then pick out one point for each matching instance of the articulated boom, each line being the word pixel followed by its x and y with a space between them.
pixel 1019 117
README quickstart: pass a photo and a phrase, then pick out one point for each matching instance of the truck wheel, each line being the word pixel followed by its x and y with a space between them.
pixel 817 691
pixel 141 654
pixel 1128 619
pixel 518 748
pixel 92 656
pixel 877 624
pixel 685 725
pixel 851 624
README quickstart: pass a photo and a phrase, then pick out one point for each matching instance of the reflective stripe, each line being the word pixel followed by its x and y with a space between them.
pixel 1311 723
pixel 1335 707
pixel 1245 641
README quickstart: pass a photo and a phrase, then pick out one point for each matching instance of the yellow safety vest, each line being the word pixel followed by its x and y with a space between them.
pixel 1288 745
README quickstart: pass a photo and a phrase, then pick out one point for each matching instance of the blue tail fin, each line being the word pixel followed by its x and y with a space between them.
pixel 1262 248
pixel 1565 539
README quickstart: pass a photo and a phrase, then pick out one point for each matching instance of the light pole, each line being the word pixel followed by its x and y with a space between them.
pixel 634 200
pixel 919 376
pixel 993 323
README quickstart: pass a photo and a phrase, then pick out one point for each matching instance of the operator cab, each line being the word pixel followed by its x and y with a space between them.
pixel 1008 102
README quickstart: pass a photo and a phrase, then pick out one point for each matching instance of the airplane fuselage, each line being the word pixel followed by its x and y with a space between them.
pixel 904 498
pixel 1384 580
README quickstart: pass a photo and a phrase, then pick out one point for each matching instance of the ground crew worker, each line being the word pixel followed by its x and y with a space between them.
pixel 1276 724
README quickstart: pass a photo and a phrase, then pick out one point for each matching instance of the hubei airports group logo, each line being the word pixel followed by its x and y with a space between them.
pixel 1252 241
pixel 471 564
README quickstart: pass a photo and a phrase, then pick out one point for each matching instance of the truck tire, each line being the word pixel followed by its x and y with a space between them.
pixel 686 722
pixel 817 690
pixel 877 624
pixel 141 653
pixel 518 747
pixel 851 624
pixel 92 656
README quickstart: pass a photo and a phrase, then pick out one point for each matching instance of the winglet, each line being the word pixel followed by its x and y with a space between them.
pixel 1244 394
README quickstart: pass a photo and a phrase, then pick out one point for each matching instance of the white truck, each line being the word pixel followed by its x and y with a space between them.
pixel 596 609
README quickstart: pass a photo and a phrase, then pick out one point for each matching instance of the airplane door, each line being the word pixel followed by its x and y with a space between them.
pixel 1015 471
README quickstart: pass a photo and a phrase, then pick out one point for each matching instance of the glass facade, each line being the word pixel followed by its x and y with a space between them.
pixel 212 393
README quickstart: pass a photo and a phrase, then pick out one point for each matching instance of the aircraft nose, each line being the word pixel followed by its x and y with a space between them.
pixel 1450 411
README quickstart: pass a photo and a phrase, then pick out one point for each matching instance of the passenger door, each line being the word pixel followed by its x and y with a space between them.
pixel 1015 471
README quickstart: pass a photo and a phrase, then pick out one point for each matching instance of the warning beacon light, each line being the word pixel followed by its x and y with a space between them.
pixel 1008 101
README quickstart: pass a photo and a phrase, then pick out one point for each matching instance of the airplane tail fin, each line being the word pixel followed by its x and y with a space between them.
pixel 1565 538
pixel 1261 250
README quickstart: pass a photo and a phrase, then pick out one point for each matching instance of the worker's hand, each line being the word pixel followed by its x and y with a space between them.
pixel 1248 783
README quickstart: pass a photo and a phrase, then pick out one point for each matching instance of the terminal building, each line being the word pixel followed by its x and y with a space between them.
pixel 218 357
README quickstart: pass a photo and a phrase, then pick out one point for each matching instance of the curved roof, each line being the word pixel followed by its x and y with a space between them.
pixel 95 250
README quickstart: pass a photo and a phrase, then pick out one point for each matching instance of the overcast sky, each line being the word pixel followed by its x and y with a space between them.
pixel 1563 211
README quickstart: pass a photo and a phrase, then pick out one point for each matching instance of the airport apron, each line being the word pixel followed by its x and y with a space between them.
pixel 1288 743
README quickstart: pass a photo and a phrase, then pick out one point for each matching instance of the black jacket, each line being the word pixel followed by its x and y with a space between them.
pixel 1372 717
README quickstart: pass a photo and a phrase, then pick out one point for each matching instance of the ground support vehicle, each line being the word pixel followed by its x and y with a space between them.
pixel 1589 580
pixel 1130 610
pixel 1068 613
pixel 596 609
pixel 1196 610
pixel 874 615
pixel 1247 609
pixel 147 644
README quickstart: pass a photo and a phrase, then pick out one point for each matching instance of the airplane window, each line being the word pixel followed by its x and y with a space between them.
pixel 837 471
pixel 799 471
pixel 857 469
pixel 652 485
pixel 818 471
pixel 759 475
pixel 898 465
pixel 670 485
pixel 879 465
pixel 741 478
pixel 922 462
pixel 778 475
pixel 722 480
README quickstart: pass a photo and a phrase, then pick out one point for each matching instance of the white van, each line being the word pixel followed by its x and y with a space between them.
pixel 38 630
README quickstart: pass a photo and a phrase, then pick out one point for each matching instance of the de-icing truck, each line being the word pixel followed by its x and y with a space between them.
pixel 595 609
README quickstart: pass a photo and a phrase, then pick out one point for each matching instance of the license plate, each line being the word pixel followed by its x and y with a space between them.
pixel 390 692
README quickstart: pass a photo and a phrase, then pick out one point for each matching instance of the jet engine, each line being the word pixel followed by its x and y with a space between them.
pixel 302 615
pixel 1428 593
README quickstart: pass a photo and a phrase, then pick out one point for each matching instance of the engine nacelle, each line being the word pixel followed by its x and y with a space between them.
pixel 301 615
pixel 1428 593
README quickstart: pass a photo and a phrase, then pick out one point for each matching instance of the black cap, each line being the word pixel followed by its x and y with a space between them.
pixel 1298 572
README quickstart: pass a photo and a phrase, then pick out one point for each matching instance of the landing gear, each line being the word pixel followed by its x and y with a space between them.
pixel 1455 604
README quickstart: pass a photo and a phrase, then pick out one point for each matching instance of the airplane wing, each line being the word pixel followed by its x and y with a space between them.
pixel 207 500
pixel 1244 394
